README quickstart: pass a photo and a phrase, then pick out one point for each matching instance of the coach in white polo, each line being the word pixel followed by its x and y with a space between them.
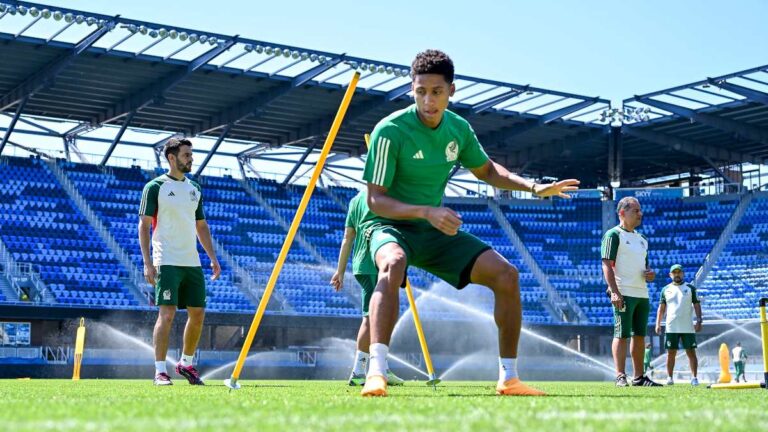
pixel 624 254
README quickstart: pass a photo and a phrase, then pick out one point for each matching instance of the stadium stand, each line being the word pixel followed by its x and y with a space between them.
pixel 740 275
pixel 42 226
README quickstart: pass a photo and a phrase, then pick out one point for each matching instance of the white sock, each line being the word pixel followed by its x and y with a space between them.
pixel 507 369
pixel 160 367
pixel 186 360
pixel 378 364
pixel 361 362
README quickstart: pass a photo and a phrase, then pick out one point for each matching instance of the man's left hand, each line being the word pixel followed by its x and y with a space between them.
pixel 557 188
pixel 216 269
pixel 650 275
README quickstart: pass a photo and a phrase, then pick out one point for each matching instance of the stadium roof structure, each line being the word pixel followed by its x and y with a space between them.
pixel 278 101
pixel 100 70
pixel 704 125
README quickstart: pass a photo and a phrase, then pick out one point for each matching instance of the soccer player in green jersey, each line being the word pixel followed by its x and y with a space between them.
pixel 739 358
pixel 412 154
pixel 678 302
pixel 624 254
pixel 358 219
pixel 172 205
pixel 647 359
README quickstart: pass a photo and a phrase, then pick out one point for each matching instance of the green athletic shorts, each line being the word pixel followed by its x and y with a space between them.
pixel 633 320
pixel 739 366
pixel 672 341
pixel 450 258
pixel 368 284
pixel 180 286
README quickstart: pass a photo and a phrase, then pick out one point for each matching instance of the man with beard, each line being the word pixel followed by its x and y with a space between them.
pixel 172 205
pixel 678 301
pixel 624 253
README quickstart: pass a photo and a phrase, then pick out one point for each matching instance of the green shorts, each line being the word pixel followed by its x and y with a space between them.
pixel 739 366
pixel 450 258
pixel 180 286
pixel 633 320
pixel 672 341
pixel 368 284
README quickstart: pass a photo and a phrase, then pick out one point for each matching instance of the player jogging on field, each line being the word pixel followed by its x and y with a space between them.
pixel 358 217
pixel 739 358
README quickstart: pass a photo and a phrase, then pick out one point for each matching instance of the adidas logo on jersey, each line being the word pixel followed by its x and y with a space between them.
pixel 171 194
pixel 418 155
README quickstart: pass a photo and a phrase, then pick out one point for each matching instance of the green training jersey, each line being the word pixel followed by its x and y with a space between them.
pixel 360 217
pixel 414 161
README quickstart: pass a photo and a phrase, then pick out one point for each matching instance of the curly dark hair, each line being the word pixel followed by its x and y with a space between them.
pixel 173 145
pixel 433 62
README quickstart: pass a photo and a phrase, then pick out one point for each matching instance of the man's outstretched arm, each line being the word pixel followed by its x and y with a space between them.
pixel 499 177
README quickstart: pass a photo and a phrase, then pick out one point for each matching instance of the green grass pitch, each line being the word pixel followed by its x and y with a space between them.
pixel 136 405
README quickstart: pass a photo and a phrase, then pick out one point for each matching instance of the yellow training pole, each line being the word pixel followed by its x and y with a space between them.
pixel 79 348
pixel 764 335
pixel 433 380
pixel 232 382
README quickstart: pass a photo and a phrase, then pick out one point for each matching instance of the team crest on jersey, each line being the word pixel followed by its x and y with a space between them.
pixel 193 195
pixel 166 295
pixel 451 151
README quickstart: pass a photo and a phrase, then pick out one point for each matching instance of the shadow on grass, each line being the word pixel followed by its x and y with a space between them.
pixel 549 396
pixel 252 386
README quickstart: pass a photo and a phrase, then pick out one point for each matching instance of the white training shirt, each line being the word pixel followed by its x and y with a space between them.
pixel 679 300
pixel 629 251
pixel 737 351
pixel 175 206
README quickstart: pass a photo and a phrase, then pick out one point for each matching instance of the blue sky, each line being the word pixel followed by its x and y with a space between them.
pixel 612 49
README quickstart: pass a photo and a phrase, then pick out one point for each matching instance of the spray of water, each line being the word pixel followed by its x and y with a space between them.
pixel 740 328
pixel 487 316
pixel 221 371
pixel 660 359
pixel 131 340
pixel 464 362
pixel 407 364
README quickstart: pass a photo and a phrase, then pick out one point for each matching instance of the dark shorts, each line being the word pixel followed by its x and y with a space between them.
pixel 672 341
pixel 180 286
pixel 450 258
pixel 633 320
pixel 367 284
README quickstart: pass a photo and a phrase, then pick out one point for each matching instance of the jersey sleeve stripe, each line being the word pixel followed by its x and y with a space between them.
pixel 376 164
pixel 143 206
pixel 382 152
pixel 379 162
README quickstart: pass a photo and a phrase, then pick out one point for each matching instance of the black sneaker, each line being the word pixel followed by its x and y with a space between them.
pixel 190 373
pixel 644 381
pixel 621 381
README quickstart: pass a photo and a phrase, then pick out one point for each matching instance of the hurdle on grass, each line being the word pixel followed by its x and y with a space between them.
pixel 232 381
